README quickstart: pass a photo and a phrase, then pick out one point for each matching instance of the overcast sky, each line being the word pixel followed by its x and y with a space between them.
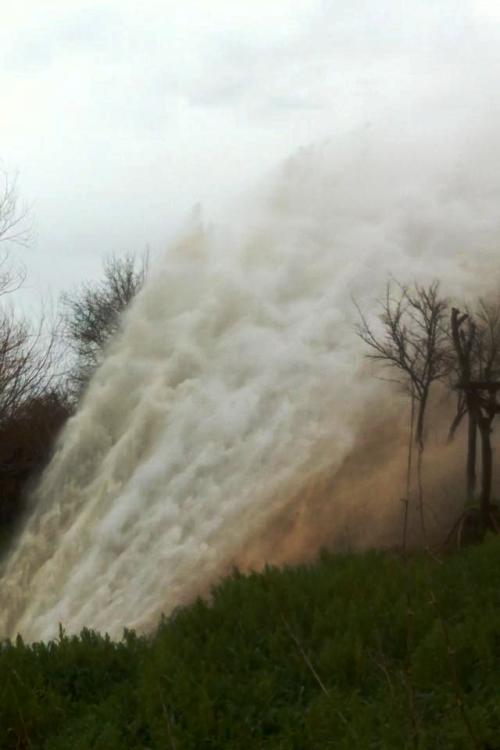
pixel 119 116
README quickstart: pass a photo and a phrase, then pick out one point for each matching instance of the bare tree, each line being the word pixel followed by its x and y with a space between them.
pixel 413 342
pixel 14 226
pixel 32 410
pixel 32 406
pixel 93 313
pixel 476 339
pixel 26 350
pixel 463 338
pixel 26 362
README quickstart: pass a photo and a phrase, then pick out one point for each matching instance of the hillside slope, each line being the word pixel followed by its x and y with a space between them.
pixel 355 651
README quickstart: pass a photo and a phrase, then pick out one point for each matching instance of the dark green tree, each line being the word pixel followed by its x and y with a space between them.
pixel 92 314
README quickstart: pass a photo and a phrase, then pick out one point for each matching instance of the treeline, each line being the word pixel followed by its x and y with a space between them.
pixel 45 366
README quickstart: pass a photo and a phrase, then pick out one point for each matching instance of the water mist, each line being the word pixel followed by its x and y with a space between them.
pixel 230 407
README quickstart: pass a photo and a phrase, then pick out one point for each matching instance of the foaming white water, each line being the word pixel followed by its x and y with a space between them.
pixel 238 376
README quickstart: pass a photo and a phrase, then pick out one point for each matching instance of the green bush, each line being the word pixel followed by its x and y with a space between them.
pixel 355 651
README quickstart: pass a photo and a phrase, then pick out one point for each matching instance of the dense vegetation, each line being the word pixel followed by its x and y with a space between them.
pixel 353 652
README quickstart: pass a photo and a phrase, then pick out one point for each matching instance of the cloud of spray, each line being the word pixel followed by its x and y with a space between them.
pixel 360 505
pixel 234 420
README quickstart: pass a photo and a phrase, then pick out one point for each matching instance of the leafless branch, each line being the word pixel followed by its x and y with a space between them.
pixel 14 224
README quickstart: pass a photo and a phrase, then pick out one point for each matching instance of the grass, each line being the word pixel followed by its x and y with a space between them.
pixel 355 651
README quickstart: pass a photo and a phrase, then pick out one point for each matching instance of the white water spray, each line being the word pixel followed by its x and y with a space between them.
pixel 238 378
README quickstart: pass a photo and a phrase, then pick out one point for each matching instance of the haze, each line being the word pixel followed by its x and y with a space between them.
pixel 120 116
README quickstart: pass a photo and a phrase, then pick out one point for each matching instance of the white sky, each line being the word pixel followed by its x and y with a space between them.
pixel 120 115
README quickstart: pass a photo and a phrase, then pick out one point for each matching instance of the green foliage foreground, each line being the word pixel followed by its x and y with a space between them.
pixel 356 651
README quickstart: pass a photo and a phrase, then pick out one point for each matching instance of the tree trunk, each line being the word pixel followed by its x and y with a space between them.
pixel 420 457
pixel 419 432
pixel 471 456
pixel 408 473
pixel 419 437
pixel 487 470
